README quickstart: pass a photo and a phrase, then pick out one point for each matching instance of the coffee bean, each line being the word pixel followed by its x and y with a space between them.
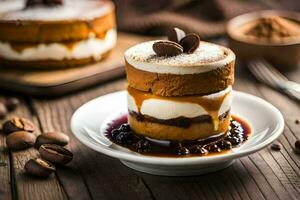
pixel 39 167
pixel 190 42
pixel 167 48
pixel 52 138
pixel 297 146
pixel 276 146
pixel 175 34
pixel 297 121
pixel 11 103
pixel 183 151
pixel 18 124
pixel 20 140
pixel 3 111
pixel 55 154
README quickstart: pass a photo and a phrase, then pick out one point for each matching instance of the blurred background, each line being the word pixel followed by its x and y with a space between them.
pixel 268 29
pixel 206 17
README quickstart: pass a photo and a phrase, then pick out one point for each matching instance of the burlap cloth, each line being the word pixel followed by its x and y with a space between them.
pixel 206 17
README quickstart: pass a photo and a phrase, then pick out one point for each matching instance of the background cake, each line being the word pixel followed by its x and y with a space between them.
pixel 182 97
pixel 55 34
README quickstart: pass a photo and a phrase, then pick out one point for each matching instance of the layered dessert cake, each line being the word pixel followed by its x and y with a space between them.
pixel 179 91
pixel 55 33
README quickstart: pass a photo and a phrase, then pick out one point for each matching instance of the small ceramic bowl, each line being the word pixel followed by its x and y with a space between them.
pixel 285 55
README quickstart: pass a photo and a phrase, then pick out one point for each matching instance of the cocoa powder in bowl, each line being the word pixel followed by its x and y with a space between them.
pixel 271 29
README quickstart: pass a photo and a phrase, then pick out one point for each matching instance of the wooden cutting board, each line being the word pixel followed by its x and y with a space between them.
pixel 61 81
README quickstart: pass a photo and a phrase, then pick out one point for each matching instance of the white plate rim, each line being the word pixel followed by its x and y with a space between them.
pixel 138 158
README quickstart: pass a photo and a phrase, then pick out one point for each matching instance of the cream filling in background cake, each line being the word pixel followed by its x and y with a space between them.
pixel 92 47
pixel 166 109
pixel 70 10
pixel 206 58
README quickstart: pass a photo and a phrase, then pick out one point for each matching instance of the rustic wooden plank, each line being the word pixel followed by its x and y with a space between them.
pixel 280 164
pixel 160 187
pixel 250 178
pixel 28 187
pixel 5 186
pixel 102 177
pixel 247 181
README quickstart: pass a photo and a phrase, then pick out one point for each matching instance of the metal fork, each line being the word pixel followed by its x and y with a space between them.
pixel 267 74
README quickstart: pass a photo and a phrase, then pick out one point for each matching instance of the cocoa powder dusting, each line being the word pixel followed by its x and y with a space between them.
pixel 273 28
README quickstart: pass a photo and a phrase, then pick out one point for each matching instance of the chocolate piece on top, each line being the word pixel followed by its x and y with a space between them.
pixel 167 48
pixel 175 34
pixel 190 42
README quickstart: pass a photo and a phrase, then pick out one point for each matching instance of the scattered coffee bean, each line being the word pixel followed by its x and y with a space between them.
pixel 20 140
pixel 196 149
pixel 142 145
pixel 167 48
pixel 11 103
pixel 276 146
pixel 297 121
pixel 18 124
pixel 52 138
pixel 175 34
pixel 190 42
pixel 3 164
pixel 297 146
pixel 3 111
pixel 183 151
pixel 55 154
pixel 39 167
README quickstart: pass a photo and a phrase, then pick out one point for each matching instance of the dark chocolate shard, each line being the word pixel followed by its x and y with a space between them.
pixel 175 34
pixel 167 48
pixel 190 42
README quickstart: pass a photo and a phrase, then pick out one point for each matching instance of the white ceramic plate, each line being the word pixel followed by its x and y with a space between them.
pixel 89 121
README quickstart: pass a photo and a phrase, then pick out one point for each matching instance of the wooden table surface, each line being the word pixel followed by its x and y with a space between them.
pixel 266 174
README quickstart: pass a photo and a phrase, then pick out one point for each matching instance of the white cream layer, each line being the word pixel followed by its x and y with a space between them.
pixel 70 10
pixel 166 109
pixel 206 58
pixel 92 47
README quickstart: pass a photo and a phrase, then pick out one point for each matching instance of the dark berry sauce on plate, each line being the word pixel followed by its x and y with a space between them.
pixel 119 132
